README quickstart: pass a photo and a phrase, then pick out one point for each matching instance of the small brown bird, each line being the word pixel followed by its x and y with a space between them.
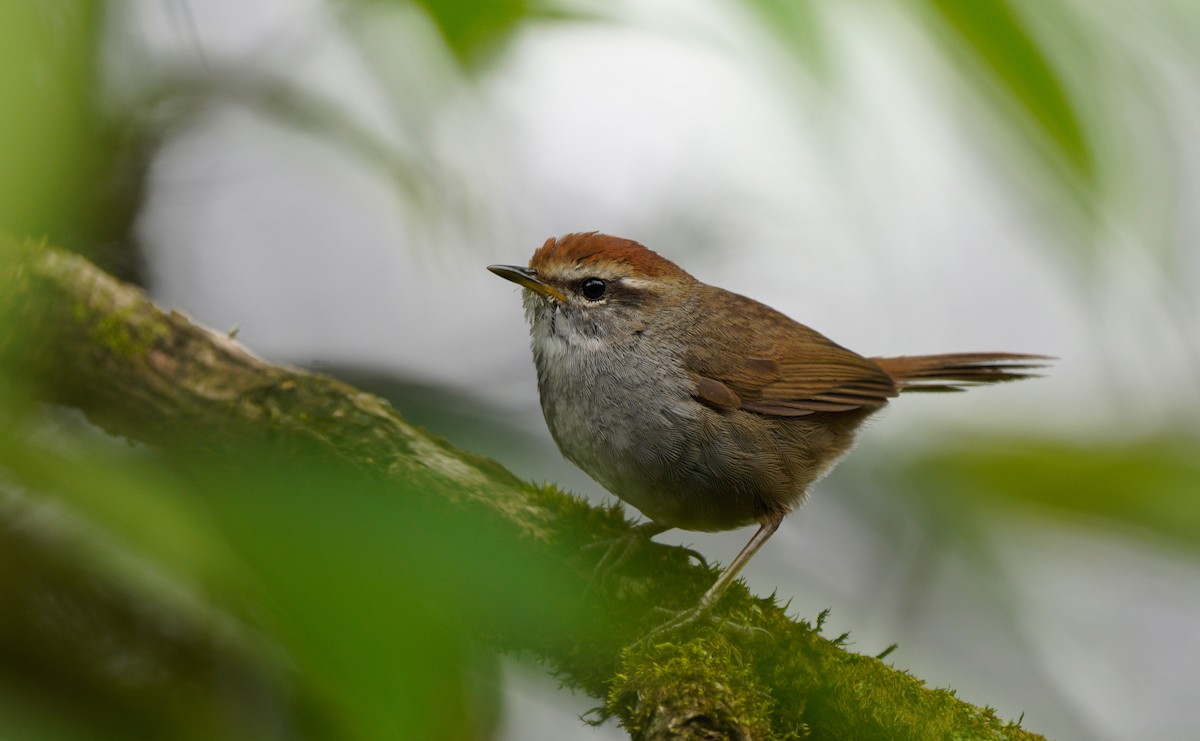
pixel 704 409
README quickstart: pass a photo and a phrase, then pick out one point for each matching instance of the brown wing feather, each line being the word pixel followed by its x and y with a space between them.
pixel 780 367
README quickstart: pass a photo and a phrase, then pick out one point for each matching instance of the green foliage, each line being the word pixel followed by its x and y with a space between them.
pixel 107 619
pixel 1034 118
pixel 368 591
pixel 798 25
pixel 473 28
pixel 1149 486
pixel 56 153
pixel 995 38
pixel 476 30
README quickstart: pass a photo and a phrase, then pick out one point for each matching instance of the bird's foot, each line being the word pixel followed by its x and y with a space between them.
pixel 702 612
pixel 618 551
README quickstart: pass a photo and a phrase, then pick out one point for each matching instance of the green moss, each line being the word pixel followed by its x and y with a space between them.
pixel 128 335
pixel 702 680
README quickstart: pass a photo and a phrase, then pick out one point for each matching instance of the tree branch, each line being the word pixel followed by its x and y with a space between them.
pixel 152 375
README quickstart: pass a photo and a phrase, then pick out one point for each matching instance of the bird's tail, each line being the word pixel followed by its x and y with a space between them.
pixel 959 371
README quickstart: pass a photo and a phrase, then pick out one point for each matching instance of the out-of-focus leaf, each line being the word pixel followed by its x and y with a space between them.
pixel 363 634
pixel 56 154
pixel 362 588
pixel 102 618
pixel 1150 486
pixel 797 25
pixel 133 500
pixel 996 39
pixel 475 29
pixel 371 588
pixel 44 72
pixel 25 715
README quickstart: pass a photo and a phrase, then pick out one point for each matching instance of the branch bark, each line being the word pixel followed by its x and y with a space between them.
pixel 156 377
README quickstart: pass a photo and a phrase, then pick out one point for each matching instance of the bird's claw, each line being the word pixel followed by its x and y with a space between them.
pixel 619 550
pixel 682 619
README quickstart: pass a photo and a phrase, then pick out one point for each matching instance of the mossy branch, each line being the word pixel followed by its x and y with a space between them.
pixel 152 375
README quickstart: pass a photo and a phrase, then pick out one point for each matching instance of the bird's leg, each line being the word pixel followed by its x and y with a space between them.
pixel 620 550
pixel 710 599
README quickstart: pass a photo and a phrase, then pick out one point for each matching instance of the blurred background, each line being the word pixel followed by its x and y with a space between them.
pixel 329 179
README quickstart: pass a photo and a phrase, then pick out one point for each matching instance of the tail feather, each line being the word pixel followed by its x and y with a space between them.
pixel 959 371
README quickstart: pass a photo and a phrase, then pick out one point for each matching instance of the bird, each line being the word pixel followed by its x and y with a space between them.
pixel 702 408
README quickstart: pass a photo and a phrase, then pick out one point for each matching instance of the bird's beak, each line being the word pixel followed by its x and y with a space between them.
pixel 527 278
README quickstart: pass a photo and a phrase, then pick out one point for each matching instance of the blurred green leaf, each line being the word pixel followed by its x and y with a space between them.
pixel 797 25
pixel 338 589
pixel 475 29
pixel 55 153
pixel 130 498
pixel 25 715
pixel 1149 486
pixel 375 588
pixel 111 636
pixel 363 589
pixel 998 42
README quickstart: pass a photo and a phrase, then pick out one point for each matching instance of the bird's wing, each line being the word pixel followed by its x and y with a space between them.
pixel 763 362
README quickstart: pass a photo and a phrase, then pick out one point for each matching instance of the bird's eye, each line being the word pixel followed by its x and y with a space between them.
pixel 593 289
